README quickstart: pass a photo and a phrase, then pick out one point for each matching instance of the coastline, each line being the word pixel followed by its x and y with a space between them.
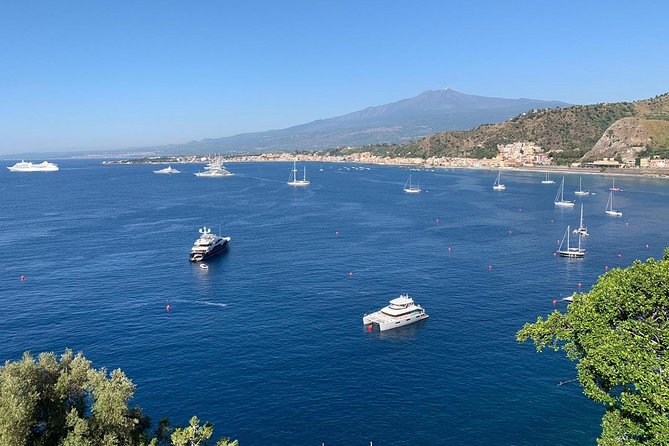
pixel 415 163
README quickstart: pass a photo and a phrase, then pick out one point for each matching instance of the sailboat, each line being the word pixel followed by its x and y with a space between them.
pixel 568 251
pixel 293 181
pixel 580 190
pixel 497 185
pixel 559 197
pixel 410 188
pixel 609 206
pixel 613 187
pixel 582 230
pixel 547 180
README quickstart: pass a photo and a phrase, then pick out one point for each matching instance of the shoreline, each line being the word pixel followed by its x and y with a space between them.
pixel 401 163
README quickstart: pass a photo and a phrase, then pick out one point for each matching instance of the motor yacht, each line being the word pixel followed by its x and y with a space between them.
pixel 167 170
pixel 208 245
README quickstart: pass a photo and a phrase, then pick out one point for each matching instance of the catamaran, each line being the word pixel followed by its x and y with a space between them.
pixel 568 251
pixel 582 230
pixel 609 206
pixel 497 185
pixel 410 188
pixel 547 180
pixel 293 181
pixel 559 197
pixel 580 190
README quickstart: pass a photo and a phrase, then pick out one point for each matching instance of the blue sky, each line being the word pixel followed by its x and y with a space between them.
pixel 112 74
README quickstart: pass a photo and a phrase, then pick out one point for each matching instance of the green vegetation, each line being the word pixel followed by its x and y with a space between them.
pixel 64 401
pixel 618 334
pixel 566 133
pixel 566 157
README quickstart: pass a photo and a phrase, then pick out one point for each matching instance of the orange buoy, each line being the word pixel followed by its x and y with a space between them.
pixel 168 308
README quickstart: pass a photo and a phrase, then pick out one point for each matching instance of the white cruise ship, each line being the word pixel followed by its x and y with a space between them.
pixel 208 245
pixel 24 166
pixel 401 311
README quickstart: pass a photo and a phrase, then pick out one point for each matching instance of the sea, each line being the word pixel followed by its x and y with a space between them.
pixel 268 342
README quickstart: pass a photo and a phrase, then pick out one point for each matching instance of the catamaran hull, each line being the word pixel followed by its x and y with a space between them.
pixel 371 320
pixel 572 254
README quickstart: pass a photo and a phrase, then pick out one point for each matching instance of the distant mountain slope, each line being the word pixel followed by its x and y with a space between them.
pixel 425 114
pixel 577 129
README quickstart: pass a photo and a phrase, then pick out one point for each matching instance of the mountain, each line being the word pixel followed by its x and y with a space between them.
pixel 583 132
pixel 429 112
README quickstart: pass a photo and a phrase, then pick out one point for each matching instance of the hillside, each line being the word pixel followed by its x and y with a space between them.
pixel 577 131
pixel 429 112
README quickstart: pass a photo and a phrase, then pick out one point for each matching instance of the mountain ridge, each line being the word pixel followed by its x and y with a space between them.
pixel 573 133
pixel 427 113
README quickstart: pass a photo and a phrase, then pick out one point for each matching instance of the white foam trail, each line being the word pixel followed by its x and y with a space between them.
pixel 201 302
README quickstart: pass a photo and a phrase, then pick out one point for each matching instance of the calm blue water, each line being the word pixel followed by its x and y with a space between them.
pixel 268 342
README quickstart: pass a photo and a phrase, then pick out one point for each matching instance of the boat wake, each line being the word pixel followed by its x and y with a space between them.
pixel 200 302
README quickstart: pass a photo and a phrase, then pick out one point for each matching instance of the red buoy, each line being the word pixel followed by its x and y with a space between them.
pixel 337 233
pixel 168 308
pixel 370 328
pixel 554 302
pixel 579 284
pixel 489 267
pixel 22 278
pixel 606 268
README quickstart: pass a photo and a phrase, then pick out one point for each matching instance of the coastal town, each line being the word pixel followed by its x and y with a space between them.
pixel 518 155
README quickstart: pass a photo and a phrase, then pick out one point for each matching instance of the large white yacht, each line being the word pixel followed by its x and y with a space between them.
pixel 401 311
pixel 24 166
pixel 166 171
pixel 208 245
pixel 214 169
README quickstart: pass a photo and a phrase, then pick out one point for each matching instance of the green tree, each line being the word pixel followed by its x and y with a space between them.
pixel 196 435
pixel 618 334
pixel 63 400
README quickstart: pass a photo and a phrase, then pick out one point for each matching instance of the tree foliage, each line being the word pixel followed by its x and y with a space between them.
pixel 64 401
pixel 618 333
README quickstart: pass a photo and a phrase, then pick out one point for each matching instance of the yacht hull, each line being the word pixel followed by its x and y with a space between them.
pixel 384 323
pixel 198 257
